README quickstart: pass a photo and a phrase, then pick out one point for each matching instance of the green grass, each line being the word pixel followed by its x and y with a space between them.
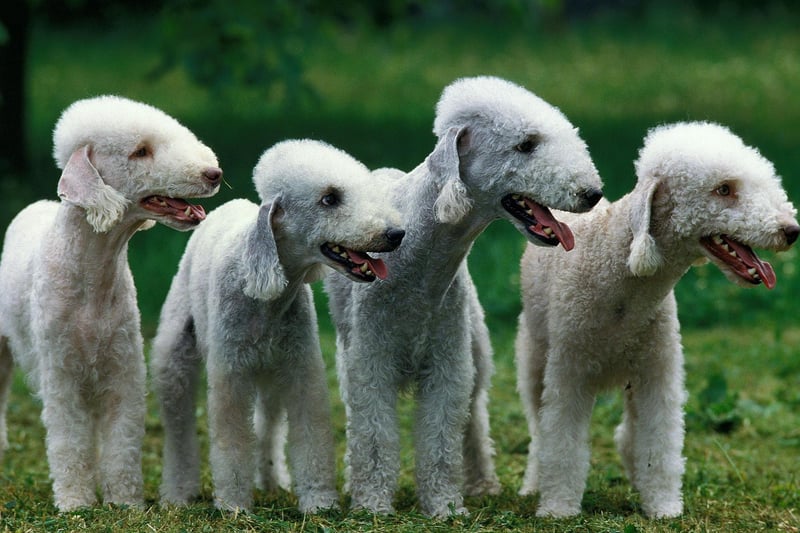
pixel 377 91
pixel 739 477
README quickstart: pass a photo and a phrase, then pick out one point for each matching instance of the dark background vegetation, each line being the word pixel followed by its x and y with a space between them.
pixel 365 76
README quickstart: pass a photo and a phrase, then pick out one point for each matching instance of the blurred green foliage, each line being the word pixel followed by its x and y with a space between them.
pixel 367 80
pixel 718 406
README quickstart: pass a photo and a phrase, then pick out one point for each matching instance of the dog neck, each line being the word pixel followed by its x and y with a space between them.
pixel 432 247
pixel 88 259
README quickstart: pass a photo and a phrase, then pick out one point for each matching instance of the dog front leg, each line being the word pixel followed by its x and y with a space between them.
pixel 311 446
pixel 650 439
pixel 70 440
pixel 373 443
pixel 442 413
pixel 563 446
pixel 121 431
pixel 231 398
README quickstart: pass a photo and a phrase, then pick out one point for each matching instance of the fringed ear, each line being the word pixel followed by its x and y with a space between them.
pixel 645 257
pixel 453 201
pixel 263 274
pixel 81 184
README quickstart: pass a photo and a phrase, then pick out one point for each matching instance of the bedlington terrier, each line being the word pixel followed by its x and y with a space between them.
pixel 605 315
pixel 241 302
pixel 68 310
pixel 502 152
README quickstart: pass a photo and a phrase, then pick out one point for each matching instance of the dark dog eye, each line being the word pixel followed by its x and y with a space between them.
pixel 724 190
pixel 527 146
pixel 142 151
pixel 329 200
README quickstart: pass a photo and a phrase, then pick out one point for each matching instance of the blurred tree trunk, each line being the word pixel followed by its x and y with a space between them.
pixel 15 18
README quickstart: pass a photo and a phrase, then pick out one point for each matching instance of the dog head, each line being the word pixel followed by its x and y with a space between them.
pixel 319 207
pixel 700 185
pixel 126 161
pixel 506 151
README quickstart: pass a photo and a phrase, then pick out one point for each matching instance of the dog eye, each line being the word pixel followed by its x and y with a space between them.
pixel 329 200
pixel 527 146
pixel 142 151
pixel 723 190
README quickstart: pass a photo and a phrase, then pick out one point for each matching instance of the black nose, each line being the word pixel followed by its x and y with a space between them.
pixel 213 175
pixel 395 236
pixel 791 233
pixel 592 196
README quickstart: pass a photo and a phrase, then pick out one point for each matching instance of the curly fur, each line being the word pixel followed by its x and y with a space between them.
pixel 68 310
pixel 423 328
pixel 241 302
pixel 605 315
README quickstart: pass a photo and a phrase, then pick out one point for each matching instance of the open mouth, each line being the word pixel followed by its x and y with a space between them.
pixel 539 221
pixel 358 264
pixel 741 259
pixel 175 208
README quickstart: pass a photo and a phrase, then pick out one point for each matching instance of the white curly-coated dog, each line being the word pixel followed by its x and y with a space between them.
pixel 68 310
pixel 605 315
pixel 241 302
pixel 502 152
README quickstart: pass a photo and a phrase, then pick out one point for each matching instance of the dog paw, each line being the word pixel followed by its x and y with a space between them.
pixel 314 503
pixel 557 509
pixel 379 508
pixel 444 510
pixel 483 487
pixel 66 504
pixel 663 509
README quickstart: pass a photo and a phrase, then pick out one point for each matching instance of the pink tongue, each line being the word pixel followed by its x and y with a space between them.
pixel 377 266
pixel 749 258
pixel 545 218
pixel 175 207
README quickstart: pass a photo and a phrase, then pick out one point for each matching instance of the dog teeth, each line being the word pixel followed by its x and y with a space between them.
pixel 516 197
pixel 366 270
pixel 548 231
pixel 724 245
pixel 338 250
pixel 753 272
pixel 188 212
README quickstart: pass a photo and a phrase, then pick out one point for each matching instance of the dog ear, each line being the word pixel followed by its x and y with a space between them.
pixel 81 184
pixel 264 277
pixel 453 201
pixel 645 258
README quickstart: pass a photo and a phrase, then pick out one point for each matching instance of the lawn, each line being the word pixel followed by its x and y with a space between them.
pixel 614 79
pixel 741 447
